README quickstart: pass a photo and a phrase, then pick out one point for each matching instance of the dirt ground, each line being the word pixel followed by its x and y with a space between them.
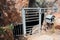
pixel 45 35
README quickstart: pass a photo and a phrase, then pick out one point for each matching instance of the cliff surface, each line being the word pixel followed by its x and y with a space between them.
pixel 10 11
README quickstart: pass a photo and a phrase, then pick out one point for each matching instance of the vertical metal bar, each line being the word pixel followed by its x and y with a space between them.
pixel 23 20
pixel 39 20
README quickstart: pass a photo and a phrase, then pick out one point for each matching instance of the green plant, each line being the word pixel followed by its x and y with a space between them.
pixel 11 27
pixel 2 31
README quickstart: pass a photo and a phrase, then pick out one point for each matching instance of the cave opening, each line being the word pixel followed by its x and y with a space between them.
pixel 20 27
pixel 31 3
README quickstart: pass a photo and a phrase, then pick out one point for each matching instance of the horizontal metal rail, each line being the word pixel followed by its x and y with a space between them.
pixel 33 12
pixel 32 20
pixel 31 15
pixel 28 29
pixel 29 26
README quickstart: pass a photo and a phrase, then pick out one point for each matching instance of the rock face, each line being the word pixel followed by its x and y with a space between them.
pixel 10 11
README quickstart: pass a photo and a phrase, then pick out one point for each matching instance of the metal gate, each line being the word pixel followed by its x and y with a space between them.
pixel 29 15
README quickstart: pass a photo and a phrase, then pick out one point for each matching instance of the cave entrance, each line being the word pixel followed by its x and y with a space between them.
pixel 32 3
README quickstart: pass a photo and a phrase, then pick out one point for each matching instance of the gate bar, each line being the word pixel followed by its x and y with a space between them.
pixel 24 23
pixel 39 20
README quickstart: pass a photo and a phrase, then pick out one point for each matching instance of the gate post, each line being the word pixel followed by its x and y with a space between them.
pixel 23 21
pixel 39 20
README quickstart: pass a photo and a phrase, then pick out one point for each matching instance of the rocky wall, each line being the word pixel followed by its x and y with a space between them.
pixel 10 11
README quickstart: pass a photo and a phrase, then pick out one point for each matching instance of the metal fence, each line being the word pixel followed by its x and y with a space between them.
pixel 30 15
